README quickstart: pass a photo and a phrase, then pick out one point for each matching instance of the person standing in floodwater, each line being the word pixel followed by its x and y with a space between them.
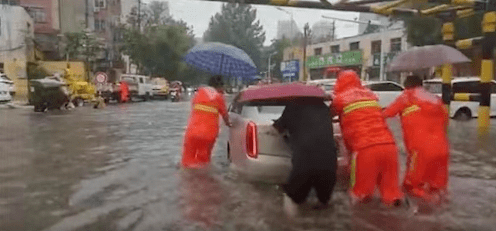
pixel 203 124
pixel 308 122
pixel 424 120
pixel 367 136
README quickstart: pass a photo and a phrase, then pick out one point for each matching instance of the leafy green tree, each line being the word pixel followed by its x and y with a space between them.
pixel 278 47
pixel 428 30
pixel 237 25
pixel 159 50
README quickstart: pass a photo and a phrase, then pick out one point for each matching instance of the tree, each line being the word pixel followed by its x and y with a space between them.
pixel 237 25
pixel 278 46
pixel 428 30
pixel 159 50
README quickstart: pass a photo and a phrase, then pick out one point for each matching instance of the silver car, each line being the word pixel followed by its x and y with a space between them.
pixel 256 150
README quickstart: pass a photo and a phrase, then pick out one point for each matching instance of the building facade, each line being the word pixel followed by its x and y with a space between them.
pixel 360 53
pixel 16 46
pixel 46 18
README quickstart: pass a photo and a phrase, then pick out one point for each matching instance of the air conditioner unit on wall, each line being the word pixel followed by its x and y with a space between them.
pixel 97 9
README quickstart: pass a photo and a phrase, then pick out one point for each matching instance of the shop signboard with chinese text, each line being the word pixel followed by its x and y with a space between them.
pixel 348 58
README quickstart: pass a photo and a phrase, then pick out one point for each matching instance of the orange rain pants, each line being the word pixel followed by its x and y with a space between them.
pixel 124 87
pixel 427 172
pixel 203 127
pixel 372 166
pixel 424 121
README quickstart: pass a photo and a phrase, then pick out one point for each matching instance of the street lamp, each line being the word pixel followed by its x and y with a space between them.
pixel 383 29
pixel 291 14
pixel 268 67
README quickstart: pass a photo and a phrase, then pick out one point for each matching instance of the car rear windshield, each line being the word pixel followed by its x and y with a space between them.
pixel 435 88
pixel 263 111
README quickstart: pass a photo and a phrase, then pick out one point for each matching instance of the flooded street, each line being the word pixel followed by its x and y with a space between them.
pixel 116 169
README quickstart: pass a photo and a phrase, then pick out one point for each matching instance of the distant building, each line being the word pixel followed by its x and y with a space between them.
pixel 361 53
pixel 323 31
pixel 46 17
pixel 16 46
pixel 287 29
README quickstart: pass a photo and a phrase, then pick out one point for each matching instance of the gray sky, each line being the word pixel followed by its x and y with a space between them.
pixel 198 13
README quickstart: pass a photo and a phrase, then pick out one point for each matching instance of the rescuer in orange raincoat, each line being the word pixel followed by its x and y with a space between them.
pixel 203 125
pixel 424 120
pixel 367 136
pixel 124 90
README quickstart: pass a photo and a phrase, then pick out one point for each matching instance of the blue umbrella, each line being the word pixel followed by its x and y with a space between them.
pixel 221 59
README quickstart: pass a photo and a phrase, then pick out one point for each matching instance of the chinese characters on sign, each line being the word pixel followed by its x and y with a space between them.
pixel 290 69
pixel 348 58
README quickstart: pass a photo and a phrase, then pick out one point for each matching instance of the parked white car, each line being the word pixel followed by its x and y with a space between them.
pixel 386 91
pixel 458 109
pixel 140 86
pixel 253 148
pixel 6 80
pixel 4 92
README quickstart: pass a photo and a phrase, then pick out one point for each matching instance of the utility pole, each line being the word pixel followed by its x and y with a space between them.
pixel 87 14
pixel 333 30
pixel 139 15
pixel 306 33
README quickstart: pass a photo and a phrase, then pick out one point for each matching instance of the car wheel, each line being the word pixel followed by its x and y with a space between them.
pixel 78 102
pixel 463 114
pixel 229 153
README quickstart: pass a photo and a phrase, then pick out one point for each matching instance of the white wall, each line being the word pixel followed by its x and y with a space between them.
pixel 15 26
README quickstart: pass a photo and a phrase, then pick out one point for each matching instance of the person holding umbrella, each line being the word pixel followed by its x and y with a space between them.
pixel 308 122
pixel 203 124
pixel 367 136
pixel 424 120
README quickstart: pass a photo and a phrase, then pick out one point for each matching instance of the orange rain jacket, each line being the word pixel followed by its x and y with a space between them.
pixel 424 119
pixel 360 128
pixel 207 104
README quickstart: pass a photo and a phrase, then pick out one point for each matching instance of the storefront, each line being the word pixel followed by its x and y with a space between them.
pixel 349 60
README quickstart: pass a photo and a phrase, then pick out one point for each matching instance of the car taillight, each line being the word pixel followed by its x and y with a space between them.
pixel 251 140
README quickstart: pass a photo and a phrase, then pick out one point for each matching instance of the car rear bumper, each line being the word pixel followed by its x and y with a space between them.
pixel 267 168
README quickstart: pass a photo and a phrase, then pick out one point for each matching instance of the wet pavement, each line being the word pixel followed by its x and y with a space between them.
pixel 115 169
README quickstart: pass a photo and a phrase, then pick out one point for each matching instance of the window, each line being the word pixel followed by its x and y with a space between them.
pixel 354 46
pixel 466 87
pixel 318 51
pixel 435 88
pixel 99 25
pixel 385 87
pixel 38 14
pixel 375 47
pixel 395 44
pixel 141 80
pixel 99 3
pixel 335 49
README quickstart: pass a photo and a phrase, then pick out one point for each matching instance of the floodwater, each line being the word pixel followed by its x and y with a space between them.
pixel 116 169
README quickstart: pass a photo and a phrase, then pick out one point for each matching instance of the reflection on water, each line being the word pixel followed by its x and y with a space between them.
pixel 201 195
pixel 115 169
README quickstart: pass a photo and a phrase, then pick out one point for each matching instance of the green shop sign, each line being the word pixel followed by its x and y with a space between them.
pixel 348 58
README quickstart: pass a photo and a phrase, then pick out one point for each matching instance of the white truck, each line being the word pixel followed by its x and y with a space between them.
pixel 140 86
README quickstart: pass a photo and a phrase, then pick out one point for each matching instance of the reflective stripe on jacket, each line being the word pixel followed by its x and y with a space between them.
pixel 362 123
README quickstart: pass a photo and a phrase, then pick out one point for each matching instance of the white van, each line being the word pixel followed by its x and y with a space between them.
pixel 4 92
pixel 140 86
pixel 458 109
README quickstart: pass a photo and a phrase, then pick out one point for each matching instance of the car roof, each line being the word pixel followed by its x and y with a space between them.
pixel 379 82
pixel 322 81
pixel 455 80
